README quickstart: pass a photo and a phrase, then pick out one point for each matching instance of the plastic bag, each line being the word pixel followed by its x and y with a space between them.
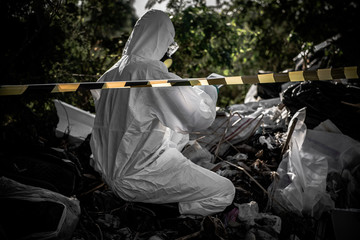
pixel 34 213
pixel 326 100
pixel 304 169
pixel 198 155
pixel 249 213
pixel 73 121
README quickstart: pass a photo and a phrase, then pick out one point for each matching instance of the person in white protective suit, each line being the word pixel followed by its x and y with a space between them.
pixel 138 133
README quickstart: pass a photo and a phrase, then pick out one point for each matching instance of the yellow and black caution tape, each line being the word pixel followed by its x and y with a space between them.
pixel 294 76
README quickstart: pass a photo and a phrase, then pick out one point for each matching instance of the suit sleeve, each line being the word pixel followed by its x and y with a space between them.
pixel 184 109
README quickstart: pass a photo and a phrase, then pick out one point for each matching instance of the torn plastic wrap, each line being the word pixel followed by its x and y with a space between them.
pixel 34 213
pixel 227 131
pixel 259 225
pixel 304 168
pixel 273 114
pixel 254 108
pixel 198 155
pixel 73 121
pixel 249 213
pixel 233 135
pixel 241 124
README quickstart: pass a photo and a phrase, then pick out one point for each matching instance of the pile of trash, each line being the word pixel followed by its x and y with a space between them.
pixel 294 159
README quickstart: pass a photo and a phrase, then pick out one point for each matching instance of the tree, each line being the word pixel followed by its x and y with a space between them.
pixel 287 27
pixel 241 37
pixel 73 41
pixel 58 41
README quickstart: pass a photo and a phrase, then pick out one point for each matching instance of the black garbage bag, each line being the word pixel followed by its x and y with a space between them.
pixel 34 213
pixel 269 90
pixel 326 100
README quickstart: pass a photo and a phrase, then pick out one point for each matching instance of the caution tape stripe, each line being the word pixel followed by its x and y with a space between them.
pixel 295 76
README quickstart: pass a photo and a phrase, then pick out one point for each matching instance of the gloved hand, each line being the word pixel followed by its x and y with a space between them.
pixel 211 90
pixel 215 75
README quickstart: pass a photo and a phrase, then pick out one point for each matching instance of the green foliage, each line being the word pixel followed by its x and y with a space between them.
pixel 287 27
pixel 75 41
pixel 241 37
pixel 58 41
pixel 210 42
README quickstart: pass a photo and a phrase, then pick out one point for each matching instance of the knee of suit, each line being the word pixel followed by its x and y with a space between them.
pixel 225 186
pixel 228 189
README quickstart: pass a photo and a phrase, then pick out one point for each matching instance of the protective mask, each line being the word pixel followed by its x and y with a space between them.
pixel 167 57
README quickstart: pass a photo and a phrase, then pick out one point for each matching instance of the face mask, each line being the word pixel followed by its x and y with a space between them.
pixel 167 57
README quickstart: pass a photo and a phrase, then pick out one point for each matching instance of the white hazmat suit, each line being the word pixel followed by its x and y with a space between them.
pixel 138 133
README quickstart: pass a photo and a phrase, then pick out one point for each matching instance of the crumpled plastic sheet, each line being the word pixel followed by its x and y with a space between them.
pixel 254 108
pixel 227 131
pixel 198 155
pixel 241 124
pixel 273 116
pixel 67 219
pixel 304 168
pixel 249 213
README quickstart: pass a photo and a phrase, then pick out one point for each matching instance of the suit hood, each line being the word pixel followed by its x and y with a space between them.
pixel 151 36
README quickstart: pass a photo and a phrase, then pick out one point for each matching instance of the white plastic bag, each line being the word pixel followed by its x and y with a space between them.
pixel 303 171
pixel 249 213
pixel 29 212
pixel 199 155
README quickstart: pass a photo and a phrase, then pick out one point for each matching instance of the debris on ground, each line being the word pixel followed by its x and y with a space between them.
pixel 294 161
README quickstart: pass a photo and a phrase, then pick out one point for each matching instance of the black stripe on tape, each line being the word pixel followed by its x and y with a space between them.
pixel 92 85
pixel 216 81
pixel 39 88
pixel 180 82
pixel 133 84
pixel 250 79
pixel 310 75
pixel 281 77
pixel 338 73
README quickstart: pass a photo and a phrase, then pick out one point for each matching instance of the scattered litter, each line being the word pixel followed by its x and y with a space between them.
pixel 326 100
pixel 268 141
pixel 266 223
pixel 248 212
pixel 73 122
pixel 199 155
pixel 303 172
pixel 35 213
pixel 293 159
